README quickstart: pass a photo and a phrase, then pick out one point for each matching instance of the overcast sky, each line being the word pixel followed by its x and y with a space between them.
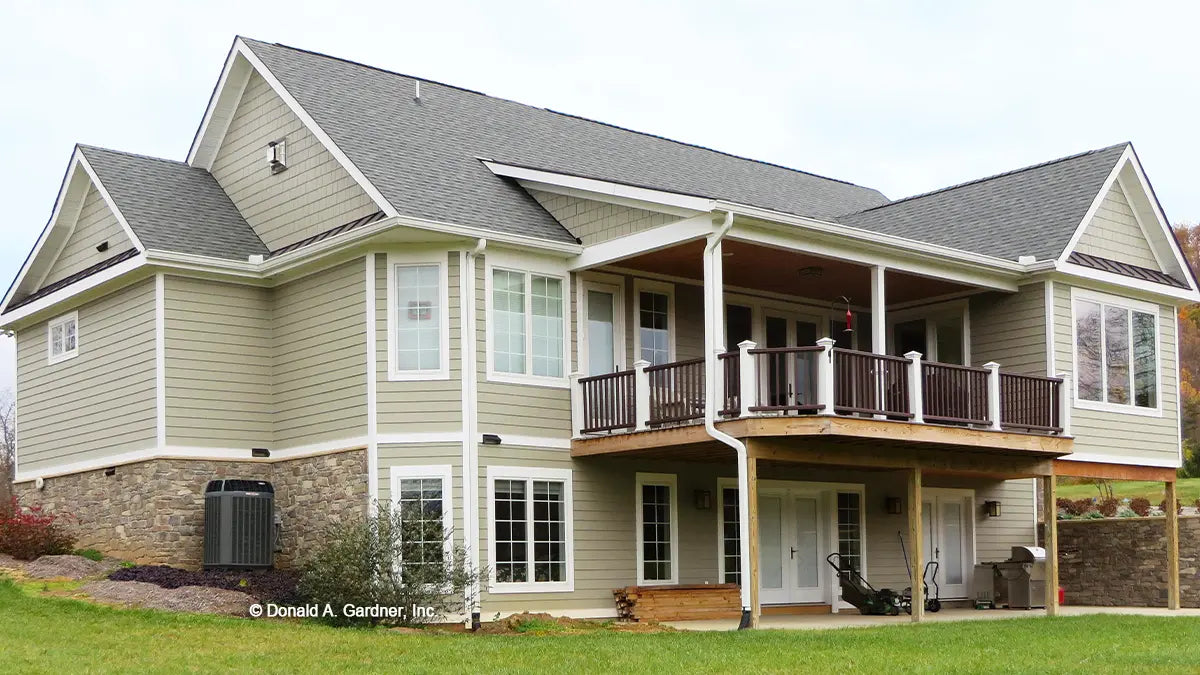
pixel 903 97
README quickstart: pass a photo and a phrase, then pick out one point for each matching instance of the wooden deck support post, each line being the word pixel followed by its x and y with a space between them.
pixel 915 545
pixel 1050 523
pixel 1172 514
pixel 755 602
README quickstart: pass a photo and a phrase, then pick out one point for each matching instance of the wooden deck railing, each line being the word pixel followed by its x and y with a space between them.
pixel 608 402
pixel 870 384
pixel 821 380
pixel 676 392
pixel 1030 403
pixel 954 394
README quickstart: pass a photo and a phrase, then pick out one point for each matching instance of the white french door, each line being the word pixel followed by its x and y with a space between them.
pixel 793 531
pixel 949 538
pixel 603 328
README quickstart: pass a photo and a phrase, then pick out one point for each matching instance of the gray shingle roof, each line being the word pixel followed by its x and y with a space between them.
pixel 1031 211
pixel 423 156
pixel 171 206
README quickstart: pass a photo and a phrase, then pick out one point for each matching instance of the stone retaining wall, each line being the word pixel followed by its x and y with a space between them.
pixel 152 512
pixel 1123 561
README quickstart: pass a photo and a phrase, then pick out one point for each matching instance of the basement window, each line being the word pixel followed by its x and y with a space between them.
pixel 529 523
pixel 62 337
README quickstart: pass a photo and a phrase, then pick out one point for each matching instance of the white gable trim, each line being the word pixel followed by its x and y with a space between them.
pixel 1154 243
pixel 590 188
pixel 220 105
pixel 72 188
pixel 1129 159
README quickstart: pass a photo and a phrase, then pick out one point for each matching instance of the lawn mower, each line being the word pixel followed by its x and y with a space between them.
pixel 864 596
pixel 928 574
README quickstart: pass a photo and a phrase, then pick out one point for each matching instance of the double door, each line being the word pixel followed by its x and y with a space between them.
pixel 793 535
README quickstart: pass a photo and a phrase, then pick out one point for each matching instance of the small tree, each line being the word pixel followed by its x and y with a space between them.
pixel 8 446
pixel 401 558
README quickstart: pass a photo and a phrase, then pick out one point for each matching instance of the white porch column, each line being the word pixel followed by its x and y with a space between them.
pixel 641 395
pixel 576 405
pixel 916 391
pixel 825 375
pixel 878 310
pixel 748 377
pixel 993 393
pixel 1064 404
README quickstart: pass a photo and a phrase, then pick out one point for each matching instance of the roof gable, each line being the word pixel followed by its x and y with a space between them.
pixel 95 235
pixel 1113 232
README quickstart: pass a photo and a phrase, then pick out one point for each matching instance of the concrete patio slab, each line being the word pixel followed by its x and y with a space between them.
pixel 844 620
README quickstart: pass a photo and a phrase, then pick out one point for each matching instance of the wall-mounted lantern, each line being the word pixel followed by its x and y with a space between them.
pixel 894 506
pixel 992 509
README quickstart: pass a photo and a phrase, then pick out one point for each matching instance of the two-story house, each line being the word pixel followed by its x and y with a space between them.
pixel 603 358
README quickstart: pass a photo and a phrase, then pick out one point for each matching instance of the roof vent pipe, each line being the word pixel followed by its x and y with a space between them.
pixel 417 91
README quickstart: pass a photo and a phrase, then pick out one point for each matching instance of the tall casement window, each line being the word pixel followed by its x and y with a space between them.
pixel 421 500
pixel 658 528
pixel 62 338
pixel 1116 353
pixel 849 522
pixel 527 325
pixel 418 320
pixel 530 529
pixel 731 550
pixel 656 318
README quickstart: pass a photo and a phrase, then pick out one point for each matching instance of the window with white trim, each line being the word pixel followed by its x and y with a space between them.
pixel 418 320
pixel 528 325
pixel 421 499
pixel 654 312
pixel 1116 354
pixel 658 528
pixel 530 523
pixel 62 337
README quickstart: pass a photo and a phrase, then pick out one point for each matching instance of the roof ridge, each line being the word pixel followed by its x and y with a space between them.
pixel 563 114
pixel 984 179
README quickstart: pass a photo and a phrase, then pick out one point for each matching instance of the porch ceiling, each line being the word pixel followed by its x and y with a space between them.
pixel 790 273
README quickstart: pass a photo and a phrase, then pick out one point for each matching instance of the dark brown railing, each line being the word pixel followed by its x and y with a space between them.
pixel 870 384
pixel 787 379
pixel 729 365
pixel 1030 403
pixel 954 394
pixel 676 392
pixel 608 402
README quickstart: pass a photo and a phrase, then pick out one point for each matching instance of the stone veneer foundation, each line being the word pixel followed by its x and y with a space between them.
pixel 152 512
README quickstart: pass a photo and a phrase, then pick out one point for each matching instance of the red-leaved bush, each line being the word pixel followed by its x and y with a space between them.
pixel 26 532
pixel 1140 506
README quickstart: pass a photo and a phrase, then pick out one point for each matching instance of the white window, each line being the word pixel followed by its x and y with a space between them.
pixel 1116 354
pixel 421 496
pixel 418 320
pixel 655 316
pixel 527 327
pixel 529 528
pixel 62 337
pixel 658 528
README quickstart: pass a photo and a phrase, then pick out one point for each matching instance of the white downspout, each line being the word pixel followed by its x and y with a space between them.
pixel 470 429
pixel 713 291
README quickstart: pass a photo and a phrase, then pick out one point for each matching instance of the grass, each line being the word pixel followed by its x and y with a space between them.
pixel 1187 490
pixel 51 635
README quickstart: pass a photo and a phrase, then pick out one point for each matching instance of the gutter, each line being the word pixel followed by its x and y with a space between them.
pixel 713 281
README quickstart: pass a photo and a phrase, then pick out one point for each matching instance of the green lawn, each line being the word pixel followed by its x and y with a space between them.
pixel 1188 490
pixel 54 635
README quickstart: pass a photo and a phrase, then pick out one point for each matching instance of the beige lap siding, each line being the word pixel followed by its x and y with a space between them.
pixel 1010 329
pixel 419 455
pixel 320 377
pixel 594 221
pixel 101 402
pixel 218 364
pixel 419 405
pixel 96 224
pixel 1114 233
pixel 314 194
pixel 1117 434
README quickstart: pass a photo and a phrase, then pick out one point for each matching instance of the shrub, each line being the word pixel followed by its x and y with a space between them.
pixel 1074 507
pixel 1197 504
pixel 1140 506
pixel 1108 507
pixel 26 532
pixel 360 565
pixel 1162 506
pixel 90 554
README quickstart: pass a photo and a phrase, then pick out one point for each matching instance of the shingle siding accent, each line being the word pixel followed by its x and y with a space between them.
pixel 594 221
pixel 101 402
pixel 1114 233
pixel 314 193
pixel 96 224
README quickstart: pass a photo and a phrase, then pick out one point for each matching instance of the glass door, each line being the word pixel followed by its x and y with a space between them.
pixel 948 540
pixel 771 547
pixel 602 310
pixel 808 552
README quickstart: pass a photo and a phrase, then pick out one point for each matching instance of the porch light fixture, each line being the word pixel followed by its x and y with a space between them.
pixel 703 500
pixel 894 506
pixel 992 509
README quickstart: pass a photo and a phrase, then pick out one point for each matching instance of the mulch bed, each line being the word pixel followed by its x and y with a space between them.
pixel 68 567
pixel 266 585
pixel 205 600
pixel 521 624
